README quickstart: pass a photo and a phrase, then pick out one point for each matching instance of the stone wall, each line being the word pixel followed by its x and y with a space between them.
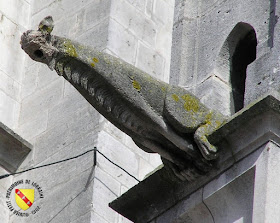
pixel 205 61
pixel 14 19
pixel 61 124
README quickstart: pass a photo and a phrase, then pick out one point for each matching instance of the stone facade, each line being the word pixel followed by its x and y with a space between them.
pixel 211 41
pixel 49 113
pixel 226 53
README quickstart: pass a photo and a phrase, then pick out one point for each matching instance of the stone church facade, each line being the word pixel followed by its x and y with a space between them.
pixel 48 113
pixel 224 52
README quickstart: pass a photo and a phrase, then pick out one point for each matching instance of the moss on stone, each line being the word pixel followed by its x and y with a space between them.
pixel 175 97
pixel 191 103
pixel 136 85
pixel 95 60
pixel 70 48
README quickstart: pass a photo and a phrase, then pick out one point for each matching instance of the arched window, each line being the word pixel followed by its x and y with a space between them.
pixel 238 51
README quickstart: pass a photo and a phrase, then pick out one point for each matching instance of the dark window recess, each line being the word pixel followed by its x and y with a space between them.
pixel 237 52
pixel 244 54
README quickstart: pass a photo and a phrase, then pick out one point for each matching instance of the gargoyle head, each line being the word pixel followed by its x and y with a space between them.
pixel 39 44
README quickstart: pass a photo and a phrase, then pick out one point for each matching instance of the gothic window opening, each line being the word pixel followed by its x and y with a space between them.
pixel 238 51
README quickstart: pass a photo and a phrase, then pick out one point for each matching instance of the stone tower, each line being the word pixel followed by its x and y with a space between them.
pixel 58 123
pixel 226 53
pixel 220 51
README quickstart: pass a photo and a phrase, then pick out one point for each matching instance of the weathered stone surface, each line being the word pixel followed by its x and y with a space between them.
pixel 156 115
pixel 245 151
pixel 87 22
pixel 200 31
pixel 13 149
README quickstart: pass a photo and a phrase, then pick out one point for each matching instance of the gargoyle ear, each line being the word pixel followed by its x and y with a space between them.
pixel 46 25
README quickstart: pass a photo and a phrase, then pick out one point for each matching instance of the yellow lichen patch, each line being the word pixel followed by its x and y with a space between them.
pixel 175 97
pixel 163 89
pixel 191 103
pixel 70 49
pixel 208 118
pixel 95 60
pixel 218 123
pixel 45 28
pixel 136 85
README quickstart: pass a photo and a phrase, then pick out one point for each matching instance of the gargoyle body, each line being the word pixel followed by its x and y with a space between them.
pixel 159 117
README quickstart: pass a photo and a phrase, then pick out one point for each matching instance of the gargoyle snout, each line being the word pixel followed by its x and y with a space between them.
pixel 38 46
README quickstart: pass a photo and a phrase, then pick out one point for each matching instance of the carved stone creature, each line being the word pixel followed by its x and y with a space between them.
pixel 159 117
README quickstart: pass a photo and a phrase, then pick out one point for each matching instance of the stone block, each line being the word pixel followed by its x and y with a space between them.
pixel 234 202
pixel 40 4
pixel 149 7
pixel 139 4
pixel 10 34
pixel 185 9
pixel 58 137
pixel 189 210
pixel 84 218
pixel 30 80
pixel 105 179
pixel 215 94
pixel 183 54
pixel 42 99
pixel 9 110
pixel 114 131
pixel 9 86
pixel 66 109
pixel 265 194
pixel 59 173
pixel 95 218
pixel 33 128
pixel 122 42
pixel 96 12
pixel 103 195
pixel 116 151
pixel 58 9
pixel 46 76
pixel 17 11
pixel 71 26
pixel 163 12
pixel 97 36
pixel 119 154
pixel 134 20
pixel 150 61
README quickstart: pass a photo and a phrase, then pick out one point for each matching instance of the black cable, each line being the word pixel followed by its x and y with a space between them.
pixel 117 165
pixel 74 157
pixel 49 164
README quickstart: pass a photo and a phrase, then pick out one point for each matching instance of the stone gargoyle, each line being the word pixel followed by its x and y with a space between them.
pixel 159 117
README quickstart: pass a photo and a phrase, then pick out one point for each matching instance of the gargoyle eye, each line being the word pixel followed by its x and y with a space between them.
pixel 38 53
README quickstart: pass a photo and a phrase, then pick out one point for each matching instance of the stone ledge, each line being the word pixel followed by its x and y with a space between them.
pixel 243 134
pixel 13 149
